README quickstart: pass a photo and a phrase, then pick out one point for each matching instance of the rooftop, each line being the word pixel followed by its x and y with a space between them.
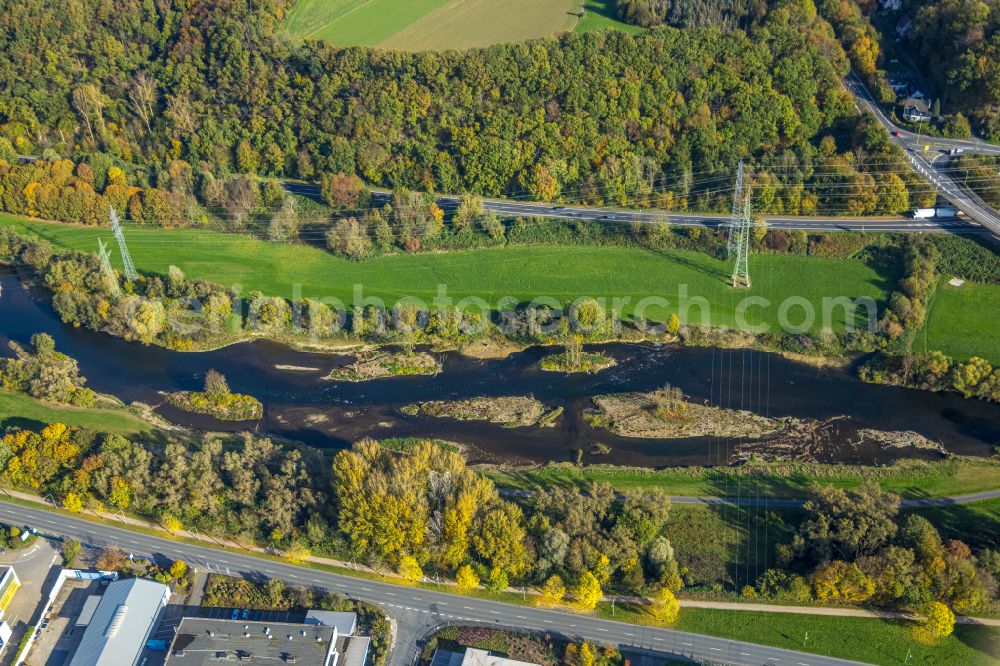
pixel 473 657
pixel 208 641
pixel 121 622
pixel 345 622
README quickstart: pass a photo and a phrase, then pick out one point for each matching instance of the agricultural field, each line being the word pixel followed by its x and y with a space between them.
pixel 962 322
pixel 418 25
pixel 522 273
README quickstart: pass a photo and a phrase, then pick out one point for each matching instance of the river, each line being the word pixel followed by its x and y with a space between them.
pixel 300 404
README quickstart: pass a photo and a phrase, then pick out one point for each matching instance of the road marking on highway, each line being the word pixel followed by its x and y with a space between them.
pixel 367 589
pixel 495 612
pixel 601 629
pixel 548 621
pixel 466 607
pixel 658 639
pixel 688 644
pixel 716 649
pixel 803 664
pixel 391 594
pixel 745 654
pixel 628 634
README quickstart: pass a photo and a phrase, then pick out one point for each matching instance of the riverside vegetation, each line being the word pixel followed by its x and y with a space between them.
pixel 845 546
pixel 158 309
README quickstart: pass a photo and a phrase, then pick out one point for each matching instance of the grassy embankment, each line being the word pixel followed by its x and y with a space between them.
pixel 520 272
pixel 909 478
pixel 417 25
pixel 18 409
pixel 962 322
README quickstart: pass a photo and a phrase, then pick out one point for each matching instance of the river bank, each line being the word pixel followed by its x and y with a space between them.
pixel 301 405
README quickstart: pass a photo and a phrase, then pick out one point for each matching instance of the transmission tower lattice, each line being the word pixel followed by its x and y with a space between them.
pixel 109 272
pixel 127 264
pixel 741 269
pixel 734 220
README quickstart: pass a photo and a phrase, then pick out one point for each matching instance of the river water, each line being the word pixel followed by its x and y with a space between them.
pixel 300 404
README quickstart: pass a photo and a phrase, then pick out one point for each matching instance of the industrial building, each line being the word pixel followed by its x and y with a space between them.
pixel 119 622
pixel 325 639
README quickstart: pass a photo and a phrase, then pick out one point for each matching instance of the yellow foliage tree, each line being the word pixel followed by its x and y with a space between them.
pixel 553 591
pixel 178 569
pixel 588 591
pixel 673 323
pixel 73 502
pixel 172 523
pixel 466 579
pixel 297 553
pixel 410 569
pixel 938 623
pixel 665 607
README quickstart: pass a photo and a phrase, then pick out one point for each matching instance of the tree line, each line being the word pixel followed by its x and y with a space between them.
pixel 424 512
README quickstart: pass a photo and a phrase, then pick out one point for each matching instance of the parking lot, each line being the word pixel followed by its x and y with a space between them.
pixel 245 614
pixel 36 568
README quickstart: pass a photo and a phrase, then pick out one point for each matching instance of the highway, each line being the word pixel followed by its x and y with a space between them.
pixel 510 208
pixel 913 145
pixel 417 611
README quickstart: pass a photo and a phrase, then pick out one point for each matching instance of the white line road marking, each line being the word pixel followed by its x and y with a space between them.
pixel 495 612
pixel 391 594
pixel 600 629
pixel 686 644
pixel 467 608
pixel 628 634
pixel 716 649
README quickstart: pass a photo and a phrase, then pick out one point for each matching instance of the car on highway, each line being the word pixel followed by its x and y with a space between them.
pixel 559 208
pixel 895 133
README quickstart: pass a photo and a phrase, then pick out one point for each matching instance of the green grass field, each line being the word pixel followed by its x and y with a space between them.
pixel 17 409
pixel 866 640
pixel 963 322
pixel 563 273
pixel 601 14
pixel 977 524
pixel 416 25
pixel 908 478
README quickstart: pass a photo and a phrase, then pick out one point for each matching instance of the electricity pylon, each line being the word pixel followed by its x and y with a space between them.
pixel 741 269
pixel 129 267
pixel 109 272
pixel 734 220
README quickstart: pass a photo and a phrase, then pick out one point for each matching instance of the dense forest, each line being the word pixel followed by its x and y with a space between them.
pixel 728 14
pixel 198 90
pixel 957 44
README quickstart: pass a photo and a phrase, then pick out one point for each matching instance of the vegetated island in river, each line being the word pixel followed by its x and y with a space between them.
pixel 511 411
pixel 665 414
pixel 569 362
pixel 379 364
pixel 218 401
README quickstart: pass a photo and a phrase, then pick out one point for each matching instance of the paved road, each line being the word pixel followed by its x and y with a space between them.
pixel 924 162
pixel 509 208
pixel 417 611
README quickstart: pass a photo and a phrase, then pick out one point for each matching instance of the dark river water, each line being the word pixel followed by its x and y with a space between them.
pixel 300 404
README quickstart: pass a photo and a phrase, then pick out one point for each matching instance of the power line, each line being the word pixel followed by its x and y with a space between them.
pixel 130 273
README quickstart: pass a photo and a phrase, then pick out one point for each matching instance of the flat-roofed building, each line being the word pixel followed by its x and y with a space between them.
pixel 9 585
pixel 120 623
pixel 200 641
pixel 473 657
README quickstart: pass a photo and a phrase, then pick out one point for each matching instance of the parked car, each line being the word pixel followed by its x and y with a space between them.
pixel 236 614
pixel 245 615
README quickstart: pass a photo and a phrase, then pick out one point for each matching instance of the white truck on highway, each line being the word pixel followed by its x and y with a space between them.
pixel 941 211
